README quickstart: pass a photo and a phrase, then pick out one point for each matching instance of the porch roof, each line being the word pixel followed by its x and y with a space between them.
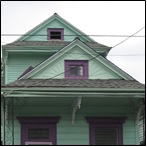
pixel 78 83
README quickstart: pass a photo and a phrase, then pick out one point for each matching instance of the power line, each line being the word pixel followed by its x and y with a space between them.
pixel 128 37
pixel 9 35
pixel 82 63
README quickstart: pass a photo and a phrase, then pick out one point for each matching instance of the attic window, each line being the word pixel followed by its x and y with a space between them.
pixel 76 69
pixel 55 33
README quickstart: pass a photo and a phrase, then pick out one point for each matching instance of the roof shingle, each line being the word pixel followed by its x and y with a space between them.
pixel 72 83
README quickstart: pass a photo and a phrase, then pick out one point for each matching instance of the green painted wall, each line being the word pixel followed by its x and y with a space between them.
pixel 96 69
pixel 19 62
pixel 54 24
pixel 77 134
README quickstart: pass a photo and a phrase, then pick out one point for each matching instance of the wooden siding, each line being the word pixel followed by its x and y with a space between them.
pixel 54 24
pixel 18 63
pixel 77 134
pixel 96 69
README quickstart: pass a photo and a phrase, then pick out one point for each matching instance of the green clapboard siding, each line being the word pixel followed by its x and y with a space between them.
pixel 96 69
pixel 77 134
pixel 54 24
pixel 18 63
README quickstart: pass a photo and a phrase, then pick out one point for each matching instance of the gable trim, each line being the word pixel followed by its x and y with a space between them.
pixel 50 19
pixel 83 46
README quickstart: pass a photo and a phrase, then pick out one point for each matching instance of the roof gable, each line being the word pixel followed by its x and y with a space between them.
pixel 39 32
pixel 99 68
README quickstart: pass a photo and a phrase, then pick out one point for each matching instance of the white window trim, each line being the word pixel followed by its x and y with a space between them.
pixel 37 143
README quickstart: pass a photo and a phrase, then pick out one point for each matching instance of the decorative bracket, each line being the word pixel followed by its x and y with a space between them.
pixel 76 105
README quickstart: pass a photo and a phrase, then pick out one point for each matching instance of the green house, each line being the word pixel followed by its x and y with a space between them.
pixel 60 89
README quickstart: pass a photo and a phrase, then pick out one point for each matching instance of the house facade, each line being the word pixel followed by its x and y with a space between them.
pixel 60 89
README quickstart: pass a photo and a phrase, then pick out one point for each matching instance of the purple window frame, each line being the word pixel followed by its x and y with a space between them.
pixel 49 30
pixel 69 63
pixel 107 122
pixel 38 122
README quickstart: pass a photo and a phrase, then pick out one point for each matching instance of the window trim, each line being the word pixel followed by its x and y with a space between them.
pixel 49 30
pixel 37 143
pixel 115 122
pixel 29 122
pixel 69 63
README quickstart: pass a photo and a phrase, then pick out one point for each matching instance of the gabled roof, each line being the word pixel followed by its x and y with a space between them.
pixel 49 20
pixel 89 50
pixel 56 45
pixel 69 83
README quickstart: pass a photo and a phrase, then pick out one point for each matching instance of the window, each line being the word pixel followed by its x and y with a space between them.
pixel 55 33
pixel 105 131
pixel 76 69
pixel 38 130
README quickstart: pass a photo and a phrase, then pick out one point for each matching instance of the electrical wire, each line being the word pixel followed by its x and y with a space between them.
pixel 82 63
pixel 9 35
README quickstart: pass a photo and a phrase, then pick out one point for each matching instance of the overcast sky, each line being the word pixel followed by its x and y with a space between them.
pixel 93 18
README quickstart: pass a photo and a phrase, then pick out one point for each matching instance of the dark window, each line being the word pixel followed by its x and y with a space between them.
pixel 105 136
pixel 105 130
pixel 55 33
pixel 38 133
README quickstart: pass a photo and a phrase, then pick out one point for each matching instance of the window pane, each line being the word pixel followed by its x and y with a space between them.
pixel 105 136
pixel 76 70
pixel 55 35
pixel 38 133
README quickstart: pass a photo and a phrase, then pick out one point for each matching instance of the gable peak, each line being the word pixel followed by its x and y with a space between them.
pixel 55 13
pixel 77 38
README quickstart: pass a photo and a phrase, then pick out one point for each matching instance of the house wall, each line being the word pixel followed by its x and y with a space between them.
pixel 96 69
pixel 18 63
pixel 54 24
pixel 77 134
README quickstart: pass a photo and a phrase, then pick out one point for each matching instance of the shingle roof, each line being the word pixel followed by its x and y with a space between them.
pixel 51 43
pixel 89 83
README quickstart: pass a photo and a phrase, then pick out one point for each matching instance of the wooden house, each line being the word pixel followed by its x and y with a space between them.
pixel 60 89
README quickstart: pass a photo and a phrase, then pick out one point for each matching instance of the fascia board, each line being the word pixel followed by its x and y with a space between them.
pixel 116 90
pixel 115 69
pixel 74 29
pixel 109 65
pixel 103 95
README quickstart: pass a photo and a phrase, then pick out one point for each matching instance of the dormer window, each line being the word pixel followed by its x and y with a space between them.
pixel 55 33
pixel 76 69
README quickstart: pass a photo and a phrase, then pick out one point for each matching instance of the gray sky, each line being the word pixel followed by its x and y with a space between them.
pixel 93 18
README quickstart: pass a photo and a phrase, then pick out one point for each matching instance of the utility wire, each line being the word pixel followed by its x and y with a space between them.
pixel 88 60
pixel 128 37
pixel 73 35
